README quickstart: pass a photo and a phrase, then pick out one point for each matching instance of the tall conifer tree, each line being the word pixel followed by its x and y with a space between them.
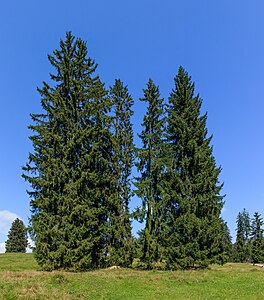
pixel 120 244
pixel 70 168
pixel 193 211
pixel 150 164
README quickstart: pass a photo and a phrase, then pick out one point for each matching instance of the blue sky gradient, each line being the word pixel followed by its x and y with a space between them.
pixel 220 44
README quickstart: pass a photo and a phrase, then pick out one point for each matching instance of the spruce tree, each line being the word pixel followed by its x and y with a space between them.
pixel 242 244
pixel 239 254
pixel 226 242
pixel 70 168
pixel 257 241
pixel 17 237
pixel 193 210
pixel 120 243
pixel 149 184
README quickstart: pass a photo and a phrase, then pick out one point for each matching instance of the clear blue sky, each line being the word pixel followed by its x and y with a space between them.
pixel 220 43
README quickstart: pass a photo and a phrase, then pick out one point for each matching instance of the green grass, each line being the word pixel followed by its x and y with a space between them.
pixel 20 278
pixel 17 262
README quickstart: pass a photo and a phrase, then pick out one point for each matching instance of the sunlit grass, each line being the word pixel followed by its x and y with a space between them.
pixel 17 262
pixel 20 278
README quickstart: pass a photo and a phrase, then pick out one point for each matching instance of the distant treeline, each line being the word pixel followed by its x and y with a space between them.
pixel 249 245
pixel 81 179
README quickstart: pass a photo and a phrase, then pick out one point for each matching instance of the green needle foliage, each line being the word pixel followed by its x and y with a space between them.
pixel 242 244
pixel 70 169
pixel 226 241
pixel 17 237
pixel 149 185
pixel 257 241
pixel 80 173
pixel 193 210
pixel 120 244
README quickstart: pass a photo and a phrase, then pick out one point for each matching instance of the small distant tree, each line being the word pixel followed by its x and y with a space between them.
pixel 17 237
pixel 242 244
pixel 257 241
pixel 225 242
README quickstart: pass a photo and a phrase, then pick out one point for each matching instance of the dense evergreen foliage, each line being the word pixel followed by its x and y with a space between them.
pixel 249 245
pixel 242 244
pixel 17 237
pixel 226 242
pixel 149 184
pixel 194 207
pixel 70 170
pixel 80 173
pixel 120 244
pixel 257 241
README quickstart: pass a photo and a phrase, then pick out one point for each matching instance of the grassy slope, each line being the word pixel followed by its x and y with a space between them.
pixel 21 279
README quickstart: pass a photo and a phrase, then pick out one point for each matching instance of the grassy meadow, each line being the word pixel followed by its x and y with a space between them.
pixel 21 278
